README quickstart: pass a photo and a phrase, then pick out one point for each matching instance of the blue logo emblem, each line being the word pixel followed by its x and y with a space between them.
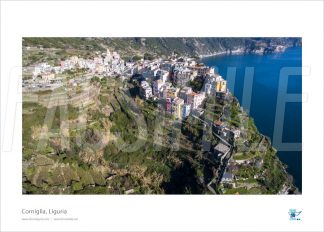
pixel 293 215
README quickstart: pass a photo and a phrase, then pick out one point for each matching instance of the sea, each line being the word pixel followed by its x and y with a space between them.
pixel 262 73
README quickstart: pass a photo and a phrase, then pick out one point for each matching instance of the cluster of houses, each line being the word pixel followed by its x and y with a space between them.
pixel 159 79
pixel 44 76
pixel 108 63
pixel 169 80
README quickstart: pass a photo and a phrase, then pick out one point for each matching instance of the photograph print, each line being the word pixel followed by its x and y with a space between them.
pixel 167 115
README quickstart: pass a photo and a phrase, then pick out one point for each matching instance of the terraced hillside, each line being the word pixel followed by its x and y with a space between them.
pixel 116 143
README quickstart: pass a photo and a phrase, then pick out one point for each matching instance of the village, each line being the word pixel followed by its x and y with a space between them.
pixel 159 79
pixel 180 86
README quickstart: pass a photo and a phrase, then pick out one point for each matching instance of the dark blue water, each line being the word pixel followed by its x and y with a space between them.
pixel 264 97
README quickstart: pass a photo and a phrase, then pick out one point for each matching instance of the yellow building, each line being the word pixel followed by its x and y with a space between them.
pixel 221 86
pixel 172 92
pixel 177 107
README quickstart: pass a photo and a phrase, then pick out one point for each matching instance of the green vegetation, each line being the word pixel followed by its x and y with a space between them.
pixel 148 56
pixel 124 125
pixel 82 167
pixel 197 84
pixel 154 168
pixel 63 42
pixel 135 47
pixel 245 155
pixel 72 73
pixel 193 129
pixel 236 191
pixel 275 174
pixel 235 111
pixel 213 109
pixel 246 172
pixel 34 120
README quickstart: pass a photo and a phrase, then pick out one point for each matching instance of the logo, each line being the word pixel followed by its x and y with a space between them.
pixel 293 215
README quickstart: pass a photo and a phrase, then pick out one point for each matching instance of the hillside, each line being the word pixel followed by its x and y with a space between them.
pixel 130 47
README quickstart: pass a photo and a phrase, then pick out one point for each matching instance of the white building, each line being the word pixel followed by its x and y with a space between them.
pixel 237 133
pixel 184 92
pixel 208 88
pixel 145 90
pixel 195 99
pixel 182 76
pixel 37 71
pixel 164 76
pixel 157 87
pixel 116 55
pixel 46 77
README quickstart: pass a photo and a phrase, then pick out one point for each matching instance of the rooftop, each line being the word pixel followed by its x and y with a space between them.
pixel 221 148
pixel 227 175
pixel 218 123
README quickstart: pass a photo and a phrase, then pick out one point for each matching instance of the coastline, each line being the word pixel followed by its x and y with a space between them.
pixel 290 179
pixel 288 186
pixel 265 179
pixel 235 52
pixel 243 51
